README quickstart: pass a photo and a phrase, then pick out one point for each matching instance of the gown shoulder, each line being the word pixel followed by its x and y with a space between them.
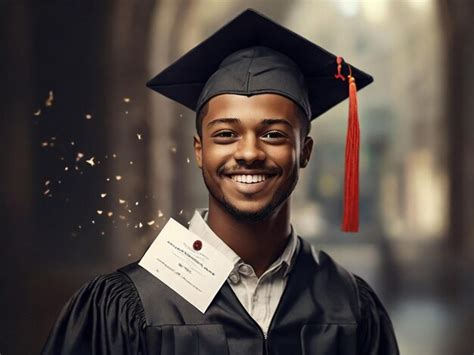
pixel 105 316
pixel 375 329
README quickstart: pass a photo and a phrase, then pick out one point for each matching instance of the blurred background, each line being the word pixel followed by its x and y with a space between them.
pixel 93 163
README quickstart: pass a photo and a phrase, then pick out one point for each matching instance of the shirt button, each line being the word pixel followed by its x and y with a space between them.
pixel 245 270
pixel 234 278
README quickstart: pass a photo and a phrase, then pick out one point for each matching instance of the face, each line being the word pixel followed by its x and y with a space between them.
pixel 250 153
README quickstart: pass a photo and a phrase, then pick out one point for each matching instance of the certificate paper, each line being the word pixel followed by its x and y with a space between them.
pixel 187 264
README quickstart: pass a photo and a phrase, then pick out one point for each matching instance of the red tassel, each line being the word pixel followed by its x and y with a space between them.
pixel 351 176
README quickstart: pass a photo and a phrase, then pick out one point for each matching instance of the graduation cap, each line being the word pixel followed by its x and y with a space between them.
pixel 253 55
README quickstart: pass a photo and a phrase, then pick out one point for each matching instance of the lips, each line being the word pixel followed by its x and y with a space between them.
pixel 249 183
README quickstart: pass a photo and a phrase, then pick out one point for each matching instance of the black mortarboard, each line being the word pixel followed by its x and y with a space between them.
pixel 253 55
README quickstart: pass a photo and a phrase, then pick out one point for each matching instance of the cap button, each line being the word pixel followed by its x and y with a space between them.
pixel 197 245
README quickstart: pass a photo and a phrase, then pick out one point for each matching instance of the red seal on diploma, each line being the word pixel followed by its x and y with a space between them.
pixel 197 245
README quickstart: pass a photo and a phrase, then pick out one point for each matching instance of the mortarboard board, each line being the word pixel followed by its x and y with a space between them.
pixel 252 55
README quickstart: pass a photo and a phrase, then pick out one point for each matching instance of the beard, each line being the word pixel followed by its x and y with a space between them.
pixel 280 196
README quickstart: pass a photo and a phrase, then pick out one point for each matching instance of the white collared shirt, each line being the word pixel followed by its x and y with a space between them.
pixel 259 296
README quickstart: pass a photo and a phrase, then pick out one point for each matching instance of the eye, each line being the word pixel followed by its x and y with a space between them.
pixel 224 134
pixel 273 135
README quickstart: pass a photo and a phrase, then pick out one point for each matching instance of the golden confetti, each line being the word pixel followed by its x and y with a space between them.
pixel 110 214
pixel 37 113
pixel 180 212
pixel 140 225
pixel 136 203
pixel 118 177
pixel 46 192
pixel 150 223
pixel 129 211
pixel 50 99
pixel 160 214
pixel 100 212
pixel 103 195
pixel 93 222
pixel 66 168
pixel 139 136
pixel 88 116
pixel 129 255
pixel 53 138
pixel 108 179
pixel 126 112
pixel 173 149
pixel 121 201
pixel 79 156
pixel 47 182
pixel 90 161
pixel 122 217
pixel 131 162
pixel 126 99
pixel 79 226
pixel 44 144
pixel 188 160
pixel 114 155
pixel 102 233
pixel 72 143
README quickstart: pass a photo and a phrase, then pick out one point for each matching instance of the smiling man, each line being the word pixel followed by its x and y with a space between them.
pixel 255 87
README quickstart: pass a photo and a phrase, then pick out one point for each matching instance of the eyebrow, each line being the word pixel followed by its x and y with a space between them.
pixel 266 121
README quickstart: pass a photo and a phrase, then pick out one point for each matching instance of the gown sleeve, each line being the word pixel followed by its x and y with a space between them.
pixel 375 332
pixel 104 317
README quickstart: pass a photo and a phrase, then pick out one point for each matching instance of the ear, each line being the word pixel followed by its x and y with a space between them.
pixel 306 151
pixel 198 150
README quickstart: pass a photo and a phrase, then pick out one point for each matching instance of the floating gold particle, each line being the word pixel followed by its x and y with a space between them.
pixel 79 226
pixel 160 214
pixel 44 144
pixel 173 149
pixel 66 168
pixel 37 113
pixel 114 155
pixel 102 233
pixel 188 160
pixel 100 212
pixel 131 162
pixel 136 203
pixel 88 116
pixel 72 143
pixel 122 217
pixel 126 99
pixel 103 195
pixel 139 136
pixel 47 182
pixel 50 99
pixel 180 212
pixel 129 255
pixel 46 192
pixel 108 179
pixel 93 222
pixel 90 161
pixel 140 225
pixel 110 214
pixel 121 201
pixel 118 177
pixel 150 223
pixel 79 156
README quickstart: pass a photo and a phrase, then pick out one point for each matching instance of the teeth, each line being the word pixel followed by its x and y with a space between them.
pixel 248 179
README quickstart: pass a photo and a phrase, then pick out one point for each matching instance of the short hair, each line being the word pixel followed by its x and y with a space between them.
pixel 304 120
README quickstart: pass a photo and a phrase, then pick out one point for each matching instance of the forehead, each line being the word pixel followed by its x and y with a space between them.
pixel 255 107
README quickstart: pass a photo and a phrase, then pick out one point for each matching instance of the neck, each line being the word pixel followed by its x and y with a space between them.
pixel 257 243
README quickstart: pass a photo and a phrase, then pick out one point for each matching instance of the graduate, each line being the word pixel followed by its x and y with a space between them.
pixel 255 87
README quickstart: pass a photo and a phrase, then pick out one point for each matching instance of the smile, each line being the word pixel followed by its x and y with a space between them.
pixel 248 179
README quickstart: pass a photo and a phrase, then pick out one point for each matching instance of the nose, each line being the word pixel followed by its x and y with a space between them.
pixel 249 150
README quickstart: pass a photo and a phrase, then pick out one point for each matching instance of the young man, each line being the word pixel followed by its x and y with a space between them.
pixel 255 86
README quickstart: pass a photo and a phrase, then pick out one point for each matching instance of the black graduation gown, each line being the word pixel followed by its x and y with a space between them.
pixel 324 310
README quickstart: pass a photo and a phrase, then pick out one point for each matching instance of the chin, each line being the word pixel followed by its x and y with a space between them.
pixel 248 213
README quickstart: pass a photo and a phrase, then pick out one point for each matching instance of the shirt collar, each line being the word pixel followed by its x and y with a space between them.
pixel 199 226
